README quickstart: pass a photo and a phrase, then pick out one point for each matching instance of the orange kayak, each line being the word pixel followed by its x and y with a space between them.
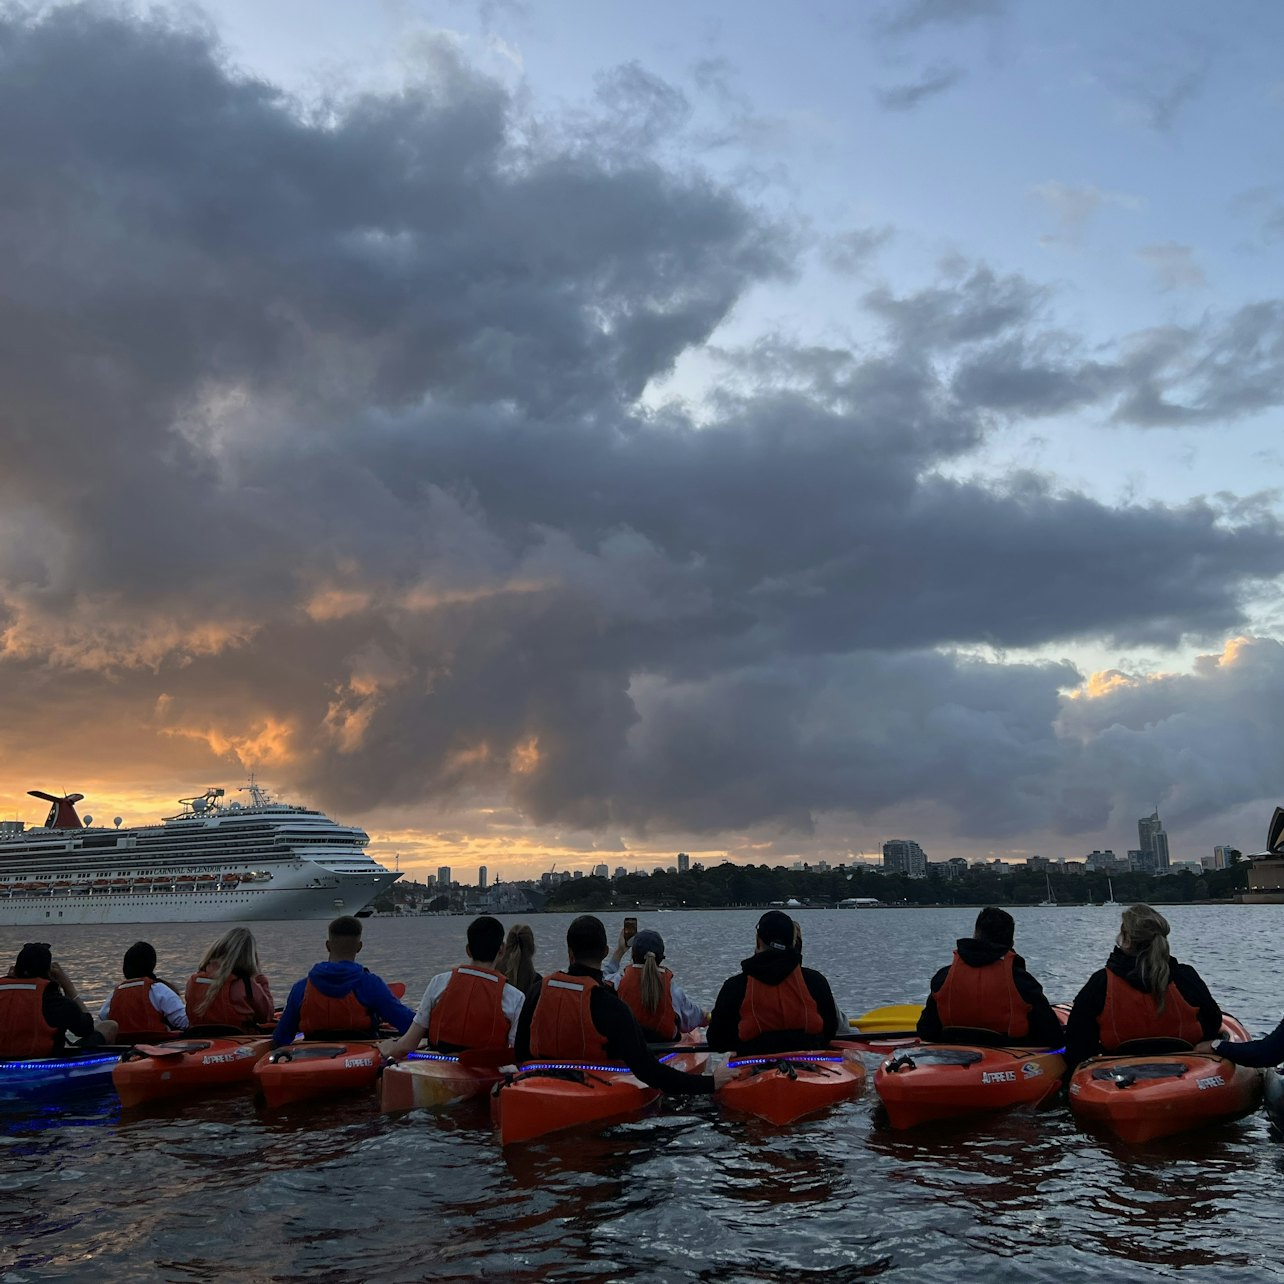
pixel 785 1086
pixel 303 1071
pixel 1146 1096
pixel 937 1081
pixel 544 1097
pixel 429 1079
pixel 186 1067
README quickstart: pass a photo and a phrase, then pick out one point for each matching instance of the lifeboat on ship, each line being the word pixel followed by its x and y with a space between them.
pixel 1141 1096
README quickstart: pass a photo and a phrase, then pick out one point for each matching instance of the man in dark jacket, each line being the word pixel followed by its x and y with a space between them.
pixel 987 988
pixel 775 1004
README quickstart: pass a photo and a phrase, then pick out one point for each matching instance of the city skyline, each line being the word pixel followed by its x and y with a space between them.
pixel 582 434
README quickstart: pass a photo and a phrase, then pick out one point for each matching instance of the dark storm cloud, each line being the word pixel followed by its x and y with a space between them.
pixel 934 80
pixel 323 445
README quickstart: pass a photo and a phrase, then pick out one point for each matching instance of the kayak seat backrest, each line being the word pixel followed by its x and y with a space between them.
pixel 1146 1047
pixel 974 1034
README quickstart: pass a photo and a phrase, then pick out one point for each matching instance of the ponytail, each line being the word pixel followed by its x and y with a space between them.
pixel 1146 932
pixel 516 958
pixel 652 985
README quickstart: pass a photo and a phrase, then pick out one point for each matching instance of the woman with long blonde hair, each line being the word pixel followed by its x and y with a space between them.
pixel 517 958
pixel 1142 993
pixel 228 987
pixel 649 991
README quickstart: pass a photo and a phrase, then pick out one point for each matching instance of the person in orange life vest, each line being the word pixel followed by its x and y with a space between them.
pixel 471 1007
pixel 775 1004
pixel 339 997
pixel 657 1001
pixel 142 1003
pixel 986 987
pixel 571 1015
pixel 39 1007
pixel 1141 993
pixel 517 959
pixel 228 986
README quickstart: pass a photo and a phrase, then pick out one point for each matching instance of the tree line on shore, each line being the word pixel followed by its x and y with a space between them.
pixel 729 884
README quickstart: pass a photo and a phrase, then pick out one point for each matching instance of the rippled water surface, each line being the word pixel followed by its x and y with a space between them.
pixel 224 1188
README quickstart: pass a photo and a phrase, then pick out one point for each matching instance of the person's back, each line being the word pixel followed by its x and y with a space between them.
pixel 987 992
pixel 1142 994
pixel 142 1004
pixel 339 998
pixel 775 1004
pixel 39 1006
pixel 650 991
pixel 228 986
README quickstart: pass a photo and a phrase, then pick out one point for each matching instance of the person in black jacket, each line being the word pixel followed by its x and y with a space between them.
pixel 987 987
pixel 1142 993
pixel 775 1004
pixel 1259 1053
pixel 613 1025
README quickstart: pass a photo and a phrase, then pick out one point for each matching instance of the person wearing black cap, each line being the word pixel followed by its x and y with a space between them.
pixel 142 1003
pixel 775 1004
pixel 986 988
pixel 571 1015
pixel 39 1006
pixel 658 1003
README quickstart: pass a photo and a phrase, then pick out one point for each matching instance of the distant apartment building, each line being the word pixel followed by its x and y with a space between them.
pixel 955 867
pixel 1221 857
pixel 903 856
pixel 601 871
pixel 481 877
pixel 621 872
pixel 684 863
pixel 443 876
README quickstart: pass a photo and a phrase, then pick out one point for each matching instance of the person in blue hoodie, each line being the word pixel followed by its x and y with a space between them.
pixel 340 998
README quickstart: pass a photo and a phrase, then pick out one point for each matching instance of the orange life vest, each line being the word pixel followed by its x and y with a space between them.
pixel 663 1022
pixel 562 1023
pixel 984 998
pixel 24 1032
pixel 769 1009
pixel 229 1006
pixel 131 1008
pixel 320 1014
pixel 1130 1014
pixel 470 1012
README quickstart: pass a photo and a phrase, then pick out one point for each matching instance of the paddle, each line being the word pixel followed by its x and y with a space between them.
pixel 894 1018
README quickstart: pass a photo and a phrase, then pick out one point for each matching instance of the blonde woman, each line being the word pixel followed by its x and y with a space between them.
pixel 649 991
pixel 517 959
pixel 1141 993
pixel 229 988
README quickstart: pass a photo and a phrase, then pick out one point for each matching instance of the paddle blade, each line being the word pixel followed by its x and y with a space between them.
pixel 888 1019
pixel 398 989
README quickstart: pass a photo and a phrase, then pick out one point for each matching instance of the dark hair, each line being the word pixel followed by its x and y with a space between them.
pixel 345 925
pixel 586 938
pixel 996 926
pixel 140 960
pixel 485 936
pixel 34 959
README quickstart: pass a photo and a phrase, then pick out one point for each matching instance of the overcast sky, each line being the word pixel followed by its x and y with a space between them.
pixel 586 431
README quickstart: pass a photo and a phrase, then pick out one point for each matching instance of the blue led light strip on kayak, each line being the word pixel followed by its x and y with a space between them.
pixel 570 1065
pixel 46 1066
pixel 430 1056
pixel 781 1060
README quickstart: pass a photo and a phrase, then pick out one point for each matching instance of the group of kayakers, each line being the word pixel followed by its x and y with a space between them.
pixel 603 1007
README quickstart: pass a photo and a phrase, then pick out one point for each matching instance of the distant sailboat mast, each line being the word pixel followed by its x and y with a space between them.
pixel 1052 899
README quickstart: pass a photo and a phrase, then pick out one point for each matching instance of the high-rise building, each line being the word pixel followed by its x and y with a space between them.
pixel 601 871
pixel 1153 842
pixel 1222 856
pixel 621 872
pixel 443 877
pixel 481 877
pixel 684 863
pixel 903 856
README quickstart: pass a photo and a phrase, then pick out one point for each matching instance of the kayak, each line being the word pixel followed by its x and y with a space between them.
pixel 183 1067
pixel 440 1078
pixel 936 1081
pixel 39 1077
pixel 544 1097
pixel 1144 1096
pixel 1273 1097
pixel 784 1086
pixel 303 1071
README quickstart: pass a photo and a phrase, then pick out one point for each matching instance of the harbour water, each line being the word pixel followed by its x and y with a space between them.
pixel 223 1188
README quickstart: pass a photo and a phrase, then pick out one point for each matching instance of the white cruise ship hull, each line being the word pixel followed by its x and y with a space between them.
pixel 302 890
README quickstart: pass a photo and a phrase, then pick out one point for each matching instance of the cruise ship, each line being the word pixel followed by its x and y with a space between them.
pixel 212 863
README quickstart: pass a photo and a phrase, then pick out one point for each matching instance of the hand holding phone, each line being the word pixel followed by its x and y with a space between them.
pixel 630 928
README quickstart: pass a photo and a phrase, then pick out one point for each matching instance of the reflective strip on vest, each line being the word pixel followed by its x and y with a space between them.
pixel 984 998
